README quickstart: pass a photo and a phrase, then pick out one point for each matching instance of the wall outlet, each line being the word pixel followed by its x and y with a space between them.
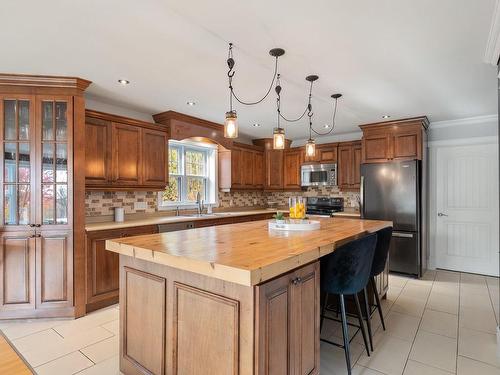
pixel 140 205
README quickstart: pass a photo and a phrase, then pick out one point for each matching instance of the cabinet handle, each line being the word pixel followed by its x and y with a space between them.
pixel 35 225
pixel 297 281
pixel 36 235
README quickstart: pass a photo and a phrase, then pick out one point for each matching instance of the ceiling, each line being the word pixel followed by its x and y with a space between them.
pixel 398 57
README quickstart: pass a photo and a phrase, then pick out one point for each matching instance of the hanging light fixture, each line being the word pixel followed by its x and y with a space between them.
pixel 278 132
pixel 310 148
pixel 231 121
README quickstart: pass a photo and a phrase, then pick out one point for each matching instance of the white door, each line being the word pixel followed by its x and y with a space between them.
pixel 467 208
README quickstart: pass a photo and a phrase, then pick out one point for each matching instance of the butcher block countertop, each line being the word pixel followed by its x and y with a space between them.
pixel 169 219
pixel 245 253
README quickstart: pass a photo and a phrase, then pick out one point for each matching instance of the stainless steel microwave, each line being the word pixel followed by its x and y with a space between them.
pixel 318 175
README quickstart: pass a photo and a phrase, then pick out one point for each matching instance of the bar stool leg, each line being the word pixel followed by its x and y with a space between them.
pixel 361 324
pixel 345 333
pixel 377 299
pixel 322 317
pixel 368 319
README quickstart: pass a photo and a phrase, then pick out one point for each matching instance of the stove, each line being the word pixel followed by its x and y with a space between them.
pixel 324 206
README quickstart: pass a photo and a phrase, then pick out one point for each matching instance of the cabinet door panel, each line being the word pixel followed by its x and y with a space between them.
pixel 304 349
pixel 272 327
pixel 97 153
pixel 236 167
pixel 247 168
pixel 376 148
pixel 356 166
pixel 407 145
pixel 274 170
pixel 154 155
pixel 54 266
pixel 127 161
pixel 292 170
pixel 258 169
pixel 344 167
pixel 327 154
pixel 17 271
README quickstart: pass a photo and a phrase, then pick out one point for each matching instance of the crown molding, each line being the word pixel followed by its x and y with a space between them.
pixel 463 141
pixel 492 52
pixel 342 137
pixel 43 81
pixel 478 120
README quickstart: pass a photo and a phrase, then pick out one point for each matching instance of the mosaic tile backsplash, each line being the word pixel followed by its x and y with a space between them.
pixel 103 203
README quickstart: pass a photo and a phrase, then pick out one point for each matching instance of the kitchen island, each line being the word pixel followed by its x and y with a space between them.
pixel 233 299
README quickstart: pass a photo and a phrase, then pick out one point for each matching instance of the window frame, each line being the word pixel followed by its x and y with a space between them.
pixel 209 177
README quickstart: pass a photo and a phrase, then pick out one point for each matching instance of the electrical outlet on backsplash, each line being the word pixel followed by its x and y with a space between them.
pixel 99 203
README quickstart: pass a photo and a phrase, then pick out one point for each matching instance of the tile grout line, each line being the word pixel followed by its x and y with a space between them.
pixel 419 324
pixel 82 353
pixel 492 303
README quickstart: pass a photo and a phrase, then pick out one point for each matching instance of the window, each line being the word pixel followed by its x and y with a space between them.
pixel 191 168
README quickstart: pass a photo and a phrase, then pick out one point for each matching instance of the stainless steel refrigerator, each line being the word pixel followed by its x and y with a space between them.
pixel 393 191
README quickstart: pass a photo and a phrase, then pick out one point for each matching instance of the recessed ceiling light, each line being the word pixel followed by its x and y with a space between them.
pixel 386 116
pixel 191 104
pixel 257 125
pixel 123 82
pixel 326 126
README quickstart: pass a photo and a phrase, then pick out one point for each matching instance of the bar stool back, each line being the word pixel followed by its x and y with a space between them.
pixel 346 272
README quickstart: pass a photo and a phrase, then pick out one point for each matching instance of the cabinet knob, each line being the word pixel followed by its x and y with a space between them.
pixel 297 281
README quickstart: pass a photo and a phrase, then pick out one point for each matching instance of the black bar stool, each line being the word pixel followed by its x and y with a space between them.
pixel 378 266
pixel 346 272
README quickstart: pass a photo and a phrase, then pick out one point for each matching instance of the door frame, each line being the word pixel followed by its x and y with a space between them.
pixel 433 147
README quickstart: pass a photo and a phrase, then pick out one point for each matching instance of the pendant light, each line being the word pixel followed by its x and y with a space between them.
pixel 231 120
pixel 278 132
pixel 231 124
pixel 310 148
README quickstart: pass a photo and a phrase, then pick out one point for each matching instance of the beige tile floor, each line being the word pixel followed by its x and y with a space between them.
pixel 442 324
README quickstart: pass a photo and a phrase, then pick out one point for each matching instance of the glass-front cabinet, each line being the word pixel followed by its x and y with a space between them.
pixel 36 232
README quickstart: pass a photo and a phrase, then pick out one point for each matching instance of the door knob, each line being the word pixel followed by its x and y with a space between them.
pixel 440 214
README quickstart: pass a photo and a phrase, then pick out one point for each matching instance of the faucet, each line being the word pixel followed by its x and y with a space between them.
pixel 199 203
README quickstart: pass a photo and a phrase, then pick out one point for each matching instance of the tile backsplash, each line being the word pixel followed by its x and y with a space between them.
pixel 98 203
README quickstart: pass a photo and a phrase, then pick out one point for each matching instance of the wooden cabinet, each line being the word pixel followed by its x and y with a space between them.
pixel 41 122
pixel 287 323
pixel 394 140
pixel 103 266
pixel 125 154
pixel 274 160
pixel 325 153
pixel 292 162
pixel 349 165
pixel 241 168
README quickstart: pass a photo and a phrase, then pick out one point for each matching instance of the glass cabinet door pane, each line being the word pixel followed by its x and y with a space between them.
pixel 24 162
pixel 9 119
pixel 48 162
pixel 61 121
pixel 24 204
pixel 23 119
pixel 47 121
pixel 10 159
pixel 48 204
pixel 10 205
pixel 61 163
pixel 62 204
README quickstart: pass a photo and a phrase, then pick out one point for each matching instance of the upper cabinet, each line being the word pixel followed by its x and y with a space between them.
pixel 124 154
pixel 274 164
pixel 325 153
pixel 349 165
pixel 241 168
pixel 292 161
pixel 394 140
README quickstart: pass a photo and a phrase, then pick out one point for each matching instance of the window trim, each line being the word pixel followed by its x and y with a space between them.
pixel 210 178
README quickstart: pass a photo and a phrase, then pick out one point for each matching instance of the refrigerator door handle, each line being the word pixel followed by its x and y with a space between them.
pixel 402 235
pixel 362 197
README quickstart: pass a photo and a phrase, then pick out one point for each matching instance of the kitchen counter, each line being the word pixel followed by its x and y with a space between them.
pixel 157 219
pixel 230 299
pixel 245 253
pixel 348 212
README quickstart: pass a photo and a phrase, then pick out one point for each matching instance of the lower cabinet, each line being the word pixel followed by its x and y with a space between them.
pixel 103 266
pixel 36 274
pixel 287 323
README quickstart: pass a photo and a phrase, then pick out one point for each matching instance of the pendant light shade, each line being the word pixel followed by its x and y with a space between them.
pixel 231 125
pixel 310 148
pixel 278 139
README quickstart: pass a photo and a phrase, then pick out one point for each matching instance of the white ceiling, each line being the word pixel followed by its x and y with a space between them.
pixel 398 57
